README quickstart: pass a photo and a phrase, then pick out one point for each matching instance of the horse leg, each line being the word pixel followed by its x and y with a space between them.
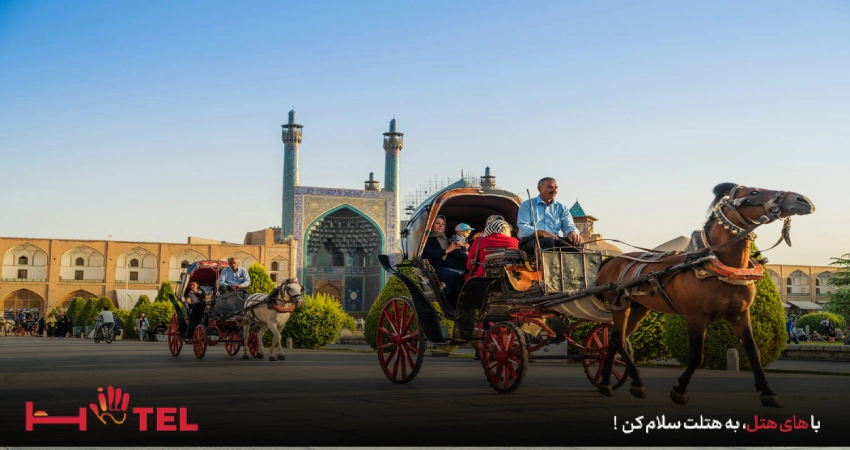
pixel 246 328
pixel 620 319
pixel 744 330
pixel 636 315
pixel 275 343
pixel 696 340
pixel 263 327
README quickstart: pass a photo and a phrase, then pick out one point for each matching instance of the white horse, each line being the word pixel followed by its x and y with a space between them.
pixel 7 326
pixel 271 311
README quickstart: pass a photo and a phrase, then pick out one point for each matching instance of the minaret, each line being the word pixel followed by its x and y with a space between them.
pixel 393 143
pixel 488 181
pixel 371 183
pixel 291 147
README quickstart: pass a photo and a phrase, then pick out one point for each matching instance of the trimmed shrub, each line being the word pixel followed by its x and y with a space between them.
pixel 393 288
pixel 839 303
pixel 55 311
pixel 813 321
pixel 162 294
pixel 158 312
pixel 349 323
pixel 77 305
pixel 142 301
pixel 261 282
pixel 86 313
pixel 127 331
pixel 316 322
pixel 768 323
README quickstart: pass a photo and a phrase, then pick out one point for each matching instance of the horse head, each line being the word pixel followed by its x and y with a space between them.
pixel 738 207
pixel 290 291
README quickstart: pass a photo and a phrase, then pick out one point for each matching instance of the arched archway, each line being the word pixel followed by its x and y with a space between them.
pixel 136 266
pixel 822 286
pixel 82 264
pixel 67 299
pixel 180 260
pixel 330 290
pixel 342 246
pixel 774 277
pixel 245 260
pixel 797 283
pixel 22 299
pixel 25 262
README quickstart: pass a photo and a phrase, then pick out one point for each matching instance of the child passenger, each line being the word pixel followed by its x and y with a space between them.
pixel 497 234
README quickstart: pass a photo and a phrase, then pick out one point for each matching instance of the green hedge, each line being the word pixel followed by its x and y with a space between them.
pixel 768 323
pixel 73 313
pixel 349 323
pixel 393 288
pixel 316 322
pixel 648 340
pixel 162 294
pixel 261 282
pixel 142 301
pixel 813 321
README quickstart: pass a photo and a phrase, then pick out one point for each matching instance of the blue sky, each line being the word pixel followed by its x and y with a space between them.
pixel 159 120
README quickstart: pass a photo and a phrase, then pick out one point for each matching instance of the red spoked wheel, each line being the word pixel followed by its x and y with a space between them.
pixel 254 344
pixel 215 336
pixel 199 341
pixel 23 331
pixel 505 357
pixel 34 329
pixel 480 332
pixel 232 343
pixel 595 351
pixel 401 346
pixel 175 344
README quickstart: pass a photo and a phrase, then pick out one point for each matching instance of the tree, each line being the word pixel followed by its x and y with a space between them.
pixel 814 319
pixel 768 323
pixel 839 302
pixel 261 282
pixel 164 289
pixel 77 305
pixel 142 301
pixel 316 322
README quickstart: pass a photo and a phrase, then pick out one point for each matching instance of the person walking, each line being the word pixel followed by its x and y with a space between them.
pixel 61 326
pixel 142 325
pixel 789 329
pixel 41 326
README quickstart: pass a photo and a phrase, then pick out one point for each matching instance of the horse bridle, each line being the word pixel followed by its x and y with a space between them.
pixel 292 298
pixel 772 211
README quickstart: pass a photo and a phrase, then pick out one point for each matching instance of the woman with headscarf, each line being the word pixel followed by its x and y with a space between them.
pixel 497 234
pixel 441 254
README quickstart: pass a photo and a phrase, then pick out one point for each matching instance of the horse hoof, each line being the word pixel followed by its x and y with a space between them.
pixel 679 399
pixel 771 401
pixel 605 389
pixel 281 357
pixel 638 391
pixel 272 358
pixel 246 357
pixel 260 356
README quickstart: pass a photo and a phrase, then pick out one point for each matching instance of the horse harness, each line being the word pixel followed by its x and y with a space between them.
pixel 287 307
pixel 708 265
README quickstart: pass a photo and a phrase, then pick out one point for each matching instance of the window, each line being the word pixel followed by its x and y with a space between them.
pixel 22 274
pixel 817 281
pixel 184 264
pixel 788 290
pixel 134 276
pixel 23 260
pixel 275 266
pixel 788 281
pixel 817 291
pixel 78 274
pixel 79 262
pixel 134 262
pixel 274 277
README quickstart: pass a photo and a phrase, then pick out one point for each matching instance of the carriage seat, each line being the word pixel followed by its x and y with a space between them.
pixel 509 263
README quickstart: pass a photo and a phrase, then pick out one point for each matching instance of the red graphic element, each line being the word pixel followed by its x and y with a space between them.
pixel 113 402
pixel 165 419
pixel 41 417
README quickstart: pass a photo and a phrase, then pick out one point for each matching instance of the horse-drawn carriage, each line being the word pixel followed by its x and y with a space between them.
pixel 213 320
pixel 713 279
pixel 501 310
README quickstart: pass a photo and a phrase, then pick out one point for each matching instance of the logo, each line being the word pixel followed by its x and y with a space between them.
pixel 113 404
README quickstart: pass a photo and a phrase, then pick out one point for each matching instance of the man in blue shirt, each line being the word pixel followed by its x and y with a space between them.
pixel 233 277
pixel 553 220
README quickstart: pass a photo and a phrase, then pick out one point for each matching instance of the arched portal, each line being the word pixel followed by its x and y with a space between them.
pixel 25 300
pixel 341 248
pixel 85 295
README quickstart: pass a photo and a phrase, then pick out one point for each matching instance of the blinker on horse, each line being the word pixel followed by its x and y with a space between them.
pixel 720 287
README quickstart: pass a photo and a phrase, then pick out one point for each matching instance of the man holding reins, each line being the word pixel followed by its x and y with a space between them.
pixel 553 220
pixel 233 277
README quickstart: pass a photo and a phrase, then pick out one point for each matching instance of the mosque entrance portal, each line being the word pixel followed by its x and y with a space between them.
pixel 341 252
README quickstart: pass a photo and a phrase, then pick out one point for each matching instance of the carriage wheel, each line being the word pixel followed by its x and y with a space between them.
pixel 34 329
pixel 232 343
pixel 504 357
pixel 480 333
pixel 253 344
pixel 401 346
pixel 199 341
pixel 23 331
pixel 216 331
pixel 175 344
pixel 595 351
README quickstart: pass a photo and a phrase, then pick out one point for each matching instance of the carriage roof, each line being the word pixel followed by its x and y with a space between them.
pixel 205 273
pixel 471 205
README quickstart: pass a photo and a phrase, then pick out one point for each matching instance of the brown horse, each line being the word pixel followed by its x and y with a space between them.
pixel 720 288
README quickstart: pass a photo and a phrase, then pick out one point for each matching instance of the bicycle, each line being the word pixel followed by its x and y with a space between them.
pixel 103 334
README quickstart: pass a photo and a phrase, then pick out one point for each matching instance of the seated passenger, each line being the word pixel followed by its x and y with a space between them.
pixel 449 263
pixel 490 219
pixel 193 294
pixel 461 236
pixel 496 235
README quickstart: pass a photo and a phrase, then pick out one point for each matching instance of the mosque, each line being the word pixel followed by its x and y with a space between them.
pixel 329 239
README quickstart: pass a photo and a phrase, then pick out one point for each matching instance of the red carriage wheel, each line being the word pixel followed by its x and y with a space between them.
pixel 232 343
pixel 199 341
pixel 505 357
pixel 175 344
pixel 216 332
pixel 481 331
pixel 595 351
pixel 34 329
pixel 23 331
pixel 254 344
pixel 401 346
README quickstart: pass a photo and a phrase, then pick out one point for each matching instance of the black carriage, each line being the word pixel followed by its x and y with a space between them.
pixel 523 303
pixel 211 321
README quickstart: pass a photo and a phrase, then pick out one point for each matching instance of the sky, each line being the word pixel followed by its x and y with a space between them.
pixel 154 121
